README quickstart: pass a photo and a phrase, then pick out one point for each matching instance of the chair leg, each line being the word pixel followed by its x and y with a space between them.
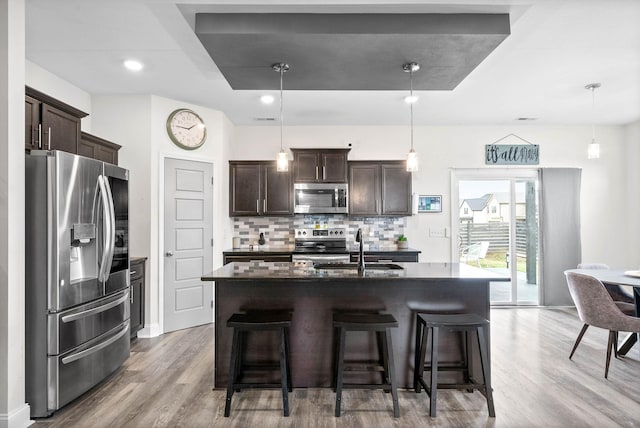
pixel 339 370
pixel 288 358
pixel 381 339
pixel 610 345
pixel 391 373
pixel 423 354
pixel 233 367
pixel 284 370
pixel 416 356
pixel 486 370
pixel 433 384
pixel 615 345
pixel 575 345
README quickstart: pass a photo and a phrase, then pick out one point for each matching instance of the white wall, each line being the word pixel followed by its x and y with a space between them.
pixel 139 125
pixel 632 150
pixel 14 412
pixel 44 81
pixel 441 148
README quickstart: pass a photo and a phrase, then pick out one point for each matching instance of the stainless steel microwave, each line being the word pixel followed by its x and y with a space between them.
pixel 321 198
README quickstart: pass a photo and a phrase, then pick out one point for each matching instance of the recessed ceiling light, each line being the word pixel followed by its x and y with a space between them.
pixel 133 65
pixel 526 118
pixel 264 119
pixel 410 99
pixel 267 99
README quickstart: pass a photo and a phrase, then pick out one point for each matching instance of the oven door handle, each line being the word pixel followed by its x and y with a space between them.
pixel 82 354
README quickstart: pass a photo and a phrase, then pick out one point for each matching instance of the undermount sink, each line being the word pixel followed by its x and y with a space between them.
pixel 372 266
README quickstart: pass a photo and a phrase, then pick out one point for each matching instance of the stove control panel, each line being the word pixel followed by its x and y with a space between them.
pixel 332 233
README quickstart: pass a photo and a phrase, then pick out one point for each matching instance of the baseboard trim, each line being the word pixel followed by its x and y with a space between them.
pixel 18 418
pixel 151 330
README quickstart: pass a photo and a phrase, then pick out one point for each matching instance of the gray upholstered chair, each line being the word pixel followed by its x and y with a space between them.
pixel 596 307
pixel 617 292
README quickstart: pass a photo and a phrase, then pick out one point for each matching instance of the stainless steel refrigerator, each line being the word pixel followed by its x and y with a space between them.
pixel 77 276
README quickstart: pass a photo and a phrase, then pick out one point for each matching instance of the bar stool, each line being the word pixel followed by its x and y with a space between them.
pixel 259 321
pixel 452 322
pixel 381 324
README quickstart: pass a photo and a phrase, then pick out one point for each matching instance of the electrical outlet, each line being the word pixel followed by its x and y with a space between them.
pixel 437 232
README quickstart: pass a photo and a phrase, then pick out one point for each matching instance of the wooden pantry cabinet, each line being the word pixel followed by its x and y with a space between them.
pixel 256 188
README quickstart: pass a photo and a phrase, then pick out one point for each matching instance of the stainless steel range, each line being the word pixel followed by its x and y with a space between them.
pixel 321 245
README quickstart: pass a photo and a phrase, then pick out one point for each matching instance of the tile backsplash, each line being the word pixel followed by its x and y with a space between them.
pixel 278 231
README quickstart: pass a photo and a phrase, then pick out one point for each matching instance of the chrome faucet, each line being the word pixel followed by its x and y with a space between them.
pixel 360 239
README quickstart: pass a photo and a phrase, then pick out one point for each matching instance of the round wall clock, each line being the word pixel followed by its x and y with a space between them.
pixel 186 129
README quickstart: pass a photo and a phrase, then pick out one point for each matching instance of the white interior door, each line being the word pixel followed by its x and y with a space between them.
pixel 188 243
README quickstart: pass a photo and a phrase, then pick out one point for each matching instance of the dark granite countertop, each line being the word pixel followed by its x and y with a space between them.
pixel 305 271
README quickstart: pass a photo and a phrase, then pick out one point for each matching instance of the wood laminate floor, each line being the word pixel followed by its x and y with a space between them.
pixel 167 383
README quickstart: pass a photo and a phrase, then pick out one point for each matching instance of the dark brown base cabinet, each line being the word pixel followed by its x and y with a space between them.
pixel 136 267
pixel 320 165
pixel 263 257
pixel 379 188
pixel 256 188
pixel 388 257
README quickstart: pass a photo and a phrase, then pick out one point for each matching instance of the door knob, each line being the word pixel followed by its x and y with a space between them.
pixel 169 254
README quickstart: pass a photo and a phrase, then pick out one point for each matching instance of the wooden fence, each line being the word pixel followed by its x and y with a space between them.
pixel 496 233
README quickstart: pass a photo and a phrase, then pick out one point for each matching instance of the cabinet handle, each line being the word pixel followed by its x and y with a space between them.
pixel 264 206
pixel 377 210
pixel 316 172
pixel 131 294
pixel 385 261
pixel 324 172
pixel 40 136
pixel 49 139
pixel 133 272
pixel 258 205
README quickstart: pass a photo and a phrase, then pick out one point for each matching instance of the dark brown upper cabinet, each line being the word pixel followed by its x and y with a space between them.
pixel 320 165
pixel 379 188
pixel 256 188
pixel 98 148
pixel 50 124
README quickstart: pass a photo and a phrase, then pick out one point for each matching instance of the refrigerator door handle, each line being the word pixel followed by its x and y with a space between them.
pixel 108 231
pixel 93 311
pixel 85 353
pixel 112 225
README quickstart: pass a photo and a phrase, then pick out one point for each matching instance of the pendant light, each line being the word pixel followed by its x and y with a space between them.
pixel 412 156
pixel 593 151
pixel 282 161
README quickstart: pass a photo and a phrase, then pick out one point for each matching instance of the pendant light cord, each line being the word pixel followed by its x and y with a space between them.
pixel 411 103
pixel 593 113
pixel 281 104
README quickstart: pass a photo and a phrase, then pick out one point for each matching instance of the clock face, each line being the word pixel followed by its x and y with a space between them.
pixel 186 129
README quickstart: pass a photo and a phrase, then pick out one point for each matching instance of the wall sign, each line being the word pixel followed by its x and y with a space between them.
pixel 512 154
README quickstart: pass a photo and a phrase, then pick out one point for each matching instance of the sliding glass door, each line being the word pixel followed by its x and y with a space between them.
pixel 496 218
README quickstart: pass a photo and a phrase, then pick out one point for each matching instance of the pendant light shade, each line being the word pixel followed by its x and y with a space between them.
pixel 593 151
pixel 412 156
pixel 282 161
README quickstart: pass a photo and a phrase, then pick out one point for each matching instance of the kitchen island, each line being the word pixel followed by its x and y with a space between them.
pixel 314 294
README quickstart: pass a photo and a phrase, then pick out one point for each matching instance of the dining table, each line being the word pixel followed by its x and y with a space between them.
pixel 629 278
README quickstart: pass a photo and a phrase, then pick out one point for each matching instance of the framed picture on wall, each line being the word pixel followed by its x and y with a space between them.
pixel 430 203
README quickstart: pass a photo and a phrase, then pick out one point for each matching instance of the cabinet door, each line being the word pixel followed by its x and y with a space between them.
pixel 306 165
pixel 364 197
pixel 396 189
pixel 60 130
pixel 277 192
pixel 244 189
pixel 31 122
pixel 334 167
pixel 137 305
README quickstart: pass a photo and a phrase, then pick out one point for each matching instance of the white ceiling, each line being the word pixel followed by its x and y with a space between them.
pixel 556 47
